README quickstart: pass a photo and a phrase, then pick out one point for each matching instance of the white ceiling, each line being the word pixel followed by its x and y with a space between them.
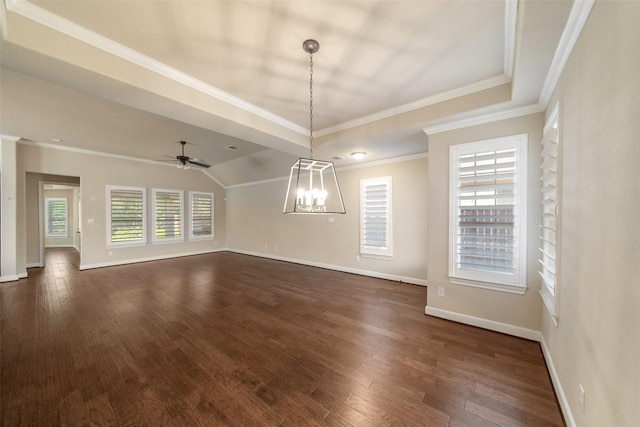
pixel 134 77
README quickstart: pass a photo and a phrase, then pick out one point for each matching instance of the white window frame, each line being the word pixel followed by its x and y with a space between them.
pixel 501 281
pixel 65 233
pixel 191 216
pixel 139 242
pixel 549 249
pixel 155 239
pixel 376 251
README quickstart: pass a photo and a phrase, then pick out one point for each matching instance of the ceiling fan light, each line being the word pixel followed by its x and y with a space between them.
pixel 358 155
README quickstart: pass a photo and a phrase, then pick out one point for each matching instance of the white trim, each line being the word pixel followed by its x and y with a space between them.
pixel 484 119
pixel 154 217
pixel 34 265
pixel 394 277
pixel 11 278
pixel 512 289
pixel 113 156
pixel 143 241
pixel 496 280
pixel 480 322
pixel 557 385
pixel 213 216
pixel 577 18
pixel 510 27
pixel 146 259
pixel 68 245
pixel 425 102
pixel 385 252
pixel 23 275
pixel 71 29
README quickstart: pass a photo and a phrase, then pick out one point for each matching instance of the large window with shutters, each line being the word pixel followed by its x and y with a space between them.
pixel 549 239
pixel 126 216
pixel 201 215
pixel 167 216
pixel 375 217
pixel 56 217
pixel 487 244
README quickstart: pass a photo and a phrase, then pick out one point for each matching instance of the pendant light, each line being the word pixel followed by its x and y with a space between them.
pixel 313 185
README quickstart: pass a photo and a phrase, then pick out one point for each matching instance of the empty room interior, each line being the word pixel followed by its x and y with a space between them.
pixel 330 213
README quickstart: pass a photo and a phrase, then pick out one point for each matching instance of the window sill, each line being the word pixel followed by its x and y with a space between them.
pixel 512 289
pixel 376 256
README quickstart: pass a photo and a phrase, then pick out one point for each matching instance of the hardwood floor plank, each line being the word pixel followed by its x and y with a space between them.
pixel 226 339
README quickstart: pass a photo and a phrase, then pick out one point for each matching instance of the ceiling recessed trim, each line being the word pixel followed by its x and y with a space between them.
pixel 78 32
pixel 487 118
pixel 441 97
pixel 577 18
pixel 510 29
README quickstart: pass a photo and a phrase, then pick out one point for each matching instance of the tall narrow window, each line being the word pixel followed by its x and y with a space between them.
pixel 167 216
pixel 56 217
pixel 488 214
pixel 549 162
pixel 375 217
pixel 126 216
pixel 201 215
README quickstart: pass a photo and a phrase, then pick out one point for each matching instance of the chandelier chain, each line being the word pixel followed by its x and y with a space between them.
pixel 311 104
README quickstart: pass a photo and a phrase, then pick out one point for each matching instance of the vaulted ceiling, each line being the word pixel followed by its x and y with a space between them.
pixel 132 78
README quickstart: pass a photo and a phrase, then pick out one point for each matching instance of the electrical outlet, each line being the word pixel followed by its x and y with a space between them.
pixel 440 291
pixel 581 397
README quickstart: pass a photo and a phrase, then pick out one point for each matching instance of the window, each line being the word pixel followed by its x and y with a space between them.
pixel 126 216
pixel 167 216
pixel 201 208
pixel 487 210
pixel 375 218
pixel 549 163
pixel 56 217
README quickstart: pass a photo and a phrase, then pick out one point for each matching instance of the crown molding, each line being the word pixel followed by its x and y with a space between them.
pixel 577 18
pixel 510 31
pixel 9 138
pixel 487 118
pixel 110 155
pixel 71 29
pixel 425 102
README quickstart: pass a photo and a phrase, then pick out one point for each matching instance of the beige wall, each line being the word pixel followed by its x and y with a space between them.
pixel 255 223
pixel 95 172
pixel 512 311
pixel 597 341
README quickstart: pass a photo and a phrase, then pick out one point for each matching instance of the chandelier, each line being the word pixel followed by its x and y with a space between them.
pixel 313 185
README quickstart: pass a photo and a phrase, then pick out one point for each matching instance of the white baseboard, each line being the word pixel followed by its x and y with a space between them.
pixel 404 279
pixel 11 278
pixel 59 246
pixel 35 265
pixel 557 385
pixel 147 259
pixel 492 325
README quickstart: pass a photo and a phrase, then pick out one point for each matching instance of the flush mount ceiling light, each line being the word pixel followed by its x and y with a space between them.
pixel 358 155
pixel 313 184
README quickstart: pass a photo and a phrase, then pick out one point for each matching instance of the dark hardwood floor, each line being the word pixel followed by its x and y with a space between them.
pixel 229 339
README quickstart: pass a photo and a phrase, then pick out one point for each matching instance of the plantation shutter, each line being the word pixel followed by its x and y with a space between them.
pixel 487 246
pixel 201 214
pixel 376 216
pixel 56 217
pixel 486 205
pixel 168 214
pixel 548 228
pixel 127 215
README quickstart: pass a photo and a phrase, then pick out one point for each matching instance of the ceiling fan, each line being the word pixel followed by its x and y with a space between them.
pixel 185 162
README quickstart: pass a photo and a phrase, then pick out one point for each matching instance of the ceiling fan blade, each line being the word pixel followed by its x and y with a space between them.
pixel 199 163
